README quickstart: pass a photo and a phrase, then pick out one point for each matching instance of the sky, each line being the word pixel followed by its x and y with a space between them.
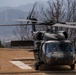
pixel 15 3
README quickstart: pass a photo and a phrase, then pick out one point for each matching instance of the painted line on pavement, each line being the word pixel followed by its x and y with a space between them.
pixel 21 65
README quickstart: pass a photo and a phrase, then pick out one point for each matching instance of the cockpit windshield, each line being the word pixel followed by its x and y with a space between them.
pixel 67 47
pixel 58 47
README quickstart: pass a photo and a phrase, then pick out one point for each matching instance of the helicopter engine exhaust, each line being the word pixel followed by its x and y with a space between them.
pixel 63 34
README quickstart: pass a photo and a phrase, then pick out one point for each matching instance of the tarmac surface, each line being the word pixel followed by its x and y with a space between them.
pixel 21 62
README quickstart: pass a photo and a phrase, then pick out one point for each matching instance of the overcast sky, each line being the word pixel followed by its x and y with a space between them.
pixel 14 3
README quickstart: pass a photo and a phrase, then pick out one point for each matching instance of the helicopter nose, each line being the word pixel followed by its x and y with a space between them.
pixel 55 54
pixel 60 58
pixel 52 57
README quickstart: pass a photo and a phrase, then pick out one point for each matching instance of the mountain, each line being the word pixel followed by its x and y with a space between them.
pixel 4 8
pixel 24 8
pixel 7 16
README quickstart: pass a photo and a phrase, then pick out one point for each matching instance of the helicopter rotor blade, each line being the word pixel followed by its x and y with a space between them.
pixel 13 25
pixel 25 24
pixel 71 23
pixel 48 24
pixel 26 20
pixel 64 25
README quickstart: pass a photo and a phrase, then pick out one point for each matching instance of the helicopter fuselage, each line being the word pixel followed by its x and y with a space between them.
pixel 56 52
pixel 53 49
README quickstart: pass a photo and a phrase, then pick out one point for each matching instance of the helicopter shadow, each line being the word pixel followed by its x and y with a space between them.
pixel 56 68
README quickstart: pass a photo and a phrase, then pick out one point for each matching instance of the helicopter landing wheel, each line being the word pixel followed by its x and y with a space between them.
pixel 37 66
pixel 73 66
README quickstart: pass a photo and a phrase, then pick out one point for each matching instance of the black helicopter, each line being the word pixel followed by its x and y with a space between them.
pixel 51 47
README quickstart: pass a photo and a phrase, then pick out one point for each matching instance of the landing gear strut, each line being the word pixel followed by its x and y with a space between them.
pixel 73 66
pixel 37 66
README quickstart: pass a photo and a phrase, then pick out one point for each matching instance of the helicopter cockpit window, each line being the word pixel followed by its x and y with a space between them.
pixel 67 47
pixel 51 47
pixel 58 47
